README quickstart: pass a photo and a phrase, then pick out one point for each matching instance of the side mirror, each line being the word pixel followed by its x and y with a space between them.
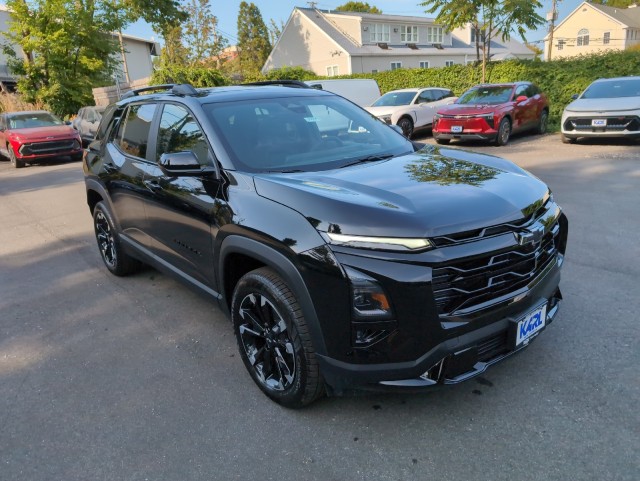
pixel 575 96
pixel 521 98
pixel 181 164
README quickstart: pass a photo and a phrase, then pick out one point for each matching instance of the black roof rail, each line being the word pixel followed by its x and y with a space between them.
pixel 282 83
pixel 176 89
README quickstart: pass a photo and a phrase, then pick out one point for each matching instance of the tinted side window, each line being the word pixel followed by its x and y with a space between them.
pixel 532 91
pixel 426 96
pixel 179 132
pixel 106 122
pixel 521 90
pixel 133 133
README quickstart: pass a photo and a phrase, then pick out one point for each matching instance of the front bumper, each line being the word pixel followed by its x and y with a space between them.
pixel 43 150
pixel 615 126
pixel 474 128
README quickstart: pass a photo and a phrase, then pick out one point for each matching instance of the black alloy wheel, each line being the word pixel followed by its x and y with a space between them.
pixel 542 123
pixel 504 132
pixel 274 341
pixel 117 261
pixel 406 124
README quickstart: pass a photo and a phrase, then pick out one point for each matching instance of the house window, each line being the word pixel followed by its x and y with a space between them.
pixel 379 32
pixel 375 70
pixel 333 70
pixel 409 33
pixel 473 35
pixel 424 64
pixel 583 37
pixel 449 63
pixel 434 34
pixel 606 38
pixel 561 44
pixel 396 65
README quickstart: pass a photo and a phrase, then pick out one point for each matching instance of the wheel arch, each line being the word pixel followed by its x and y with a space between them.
pixel 240 255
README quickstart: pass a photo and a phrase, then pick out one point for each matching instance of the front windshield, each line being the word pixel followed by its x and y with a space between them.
pixel 486 96
pixel 33 120
pixel 318 132
pixel 395 99
pixel 612 89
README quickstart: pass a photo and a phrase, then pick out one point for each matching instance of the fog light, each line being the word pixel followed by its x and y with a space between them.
pixel 369 301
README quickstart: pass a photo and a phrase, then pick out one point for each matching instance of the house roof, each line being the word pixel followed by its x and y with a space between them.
pixel 458 47
pixel 628 16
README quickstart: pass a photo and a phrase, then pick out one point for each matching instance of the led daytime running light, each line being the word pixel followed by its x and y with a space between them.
pixel 408 243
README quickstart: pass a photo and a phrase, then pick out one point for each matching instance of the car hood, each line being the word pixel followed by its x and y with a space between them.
pixel 619 104
pixel 434 191
pixel 44 133
pixel 457 109
pixel 378 111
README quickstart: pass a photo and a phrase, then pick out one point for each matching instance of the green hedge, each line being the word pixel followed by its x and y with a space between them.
pixel 559 79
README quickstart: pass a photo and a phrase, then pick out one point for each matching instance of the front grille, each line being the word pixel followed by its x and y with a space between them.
pixel 481 279
pixel 614 124
pixel 49 147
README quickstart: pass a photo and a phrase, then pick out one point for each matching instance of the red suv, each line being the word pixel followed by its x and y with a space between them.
pixel 493 112
pixel 35 135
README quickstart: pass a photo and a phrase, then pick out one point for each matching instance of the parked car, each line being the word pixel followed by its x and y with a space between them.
pixel 86 122
pixel 493 112
pixel 36 135
pixel 346 255
pixel 607 108
pixel 361 91
pixel 411 109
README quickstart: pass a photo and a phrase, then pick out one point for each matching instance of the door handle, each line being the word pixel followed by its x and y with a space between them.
pixel 153 185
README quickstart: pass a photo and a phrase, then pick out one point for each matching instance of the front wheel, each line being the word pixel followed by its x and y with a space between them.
pixel 443 141
pixel 504 132
pixel 274 341
pixel 15 161
pixel 406 124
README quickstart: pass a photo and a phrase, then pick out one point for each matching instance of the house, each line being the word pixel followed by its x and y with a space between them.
pixel 592 28
pixel 137 58
pixel 338 43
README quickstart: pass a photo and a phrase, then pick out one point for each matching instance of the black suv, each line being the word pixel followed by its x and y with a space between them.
pixel 346 256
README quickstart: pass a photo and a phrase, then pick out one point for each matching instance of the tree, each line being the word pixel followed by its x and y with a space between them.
pixel 68 48
pixel 362 7
pixel 253 39
pixel 200 35
pixel 615 3
pixel 174 53
pixel 488 19
pixel 275 30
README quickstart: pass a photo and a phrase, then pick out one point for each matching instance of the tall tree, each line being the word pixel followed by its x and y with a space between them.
pixel 275 30
pixel 174 53
pixel 200 33
pixel 488 18
pixel 362 7
pixel 67 45
pixel 253 39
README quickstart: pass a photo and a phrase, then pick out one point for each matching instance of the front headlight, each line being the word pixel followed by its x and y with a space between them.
pixel 379 243
pixel 385 118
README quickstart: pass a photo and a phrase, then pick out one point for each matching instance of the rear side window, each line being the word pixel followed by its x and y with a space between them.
pixel 133 132
pixel 105 122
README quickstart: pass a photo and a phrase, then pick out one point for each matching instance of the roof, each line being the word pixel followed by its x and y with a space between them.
pixel 376 17
pixel 628 16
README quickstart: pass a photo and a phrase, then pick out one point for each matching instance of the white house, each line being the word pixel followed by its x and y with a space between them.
pixel 339 43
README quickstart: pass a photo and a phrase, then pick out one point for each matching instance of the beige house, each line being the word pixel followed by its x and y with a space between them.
pixel 592 28
pixel 340 43
pixel 138 52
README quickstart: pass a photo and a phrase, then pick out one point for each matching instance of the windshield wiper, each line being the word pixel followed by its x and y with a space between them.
pixel 370 158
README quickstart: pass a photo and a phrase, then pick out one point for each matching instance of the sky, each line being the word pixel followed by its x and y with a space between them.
pixel 279 10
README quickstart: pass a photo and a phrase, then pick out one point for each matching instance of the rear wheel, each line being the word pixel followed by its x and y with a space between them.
pixel 115 258
pixel 274 340
pixel 542 122
pixel 504 132
pixel 406 124
pixel 15 161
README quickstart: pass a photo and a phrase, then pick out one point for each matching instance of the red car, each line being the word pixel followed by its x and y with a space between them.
pixel 493 112
pixel 36 135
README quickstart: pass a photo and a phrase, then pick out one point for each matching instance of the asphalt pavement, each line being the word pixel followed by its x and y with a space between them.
pixel 138 378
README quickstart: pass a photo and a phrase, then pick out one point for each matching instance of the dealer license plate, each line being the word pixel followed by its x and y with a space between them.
pixel 598 122
pixel 456 129
pixel 532 323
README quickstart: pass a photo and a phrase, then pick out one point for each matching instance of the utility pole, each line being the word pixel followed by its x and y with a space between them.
pixel 551 17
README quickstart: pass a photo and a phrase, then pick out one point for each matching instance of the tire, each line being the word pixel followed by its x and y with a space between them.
pixel 504 132
pixel 76 157
pixel 274 340
pixel 567 140
pixel 16 162
pixel 542 123
pixel 115 259
pixel 443 141
pixel 406 124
